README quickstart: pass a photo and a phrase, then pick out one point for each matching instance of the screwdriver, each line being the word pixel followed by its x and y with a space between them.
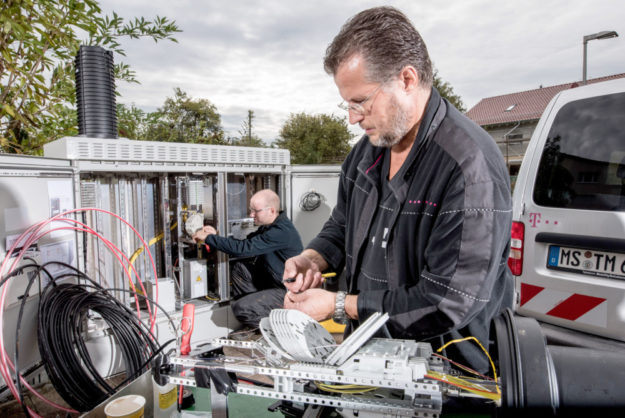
pixel 324 275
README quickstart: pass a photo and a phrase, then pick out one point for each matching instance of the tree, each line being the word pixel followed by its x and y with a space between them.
pixel 247 139
pixel 182 119
pixel 38 42
pixel 315 139
pixel 445 89
pixel 132 122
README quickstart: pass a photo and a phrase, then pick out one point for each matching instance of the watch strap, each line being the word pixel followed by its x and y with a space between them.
pixel 340 316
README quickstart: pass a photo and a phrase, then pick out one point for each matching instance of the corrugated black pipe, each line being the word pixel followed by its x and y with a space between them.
pixel 95 93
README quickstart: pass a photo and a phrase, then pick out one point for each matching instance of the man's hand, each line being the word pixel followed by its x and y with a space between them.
pixel 201 234
pixel 316 303
pixel 304 270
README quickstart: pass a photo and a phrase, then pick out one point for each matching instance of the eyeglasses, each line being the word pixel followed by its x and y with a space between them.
pixel 357 107
pixel 255 211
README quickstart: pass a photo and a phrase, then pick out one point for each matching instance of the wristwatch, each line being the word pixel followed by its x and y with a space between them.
pixel 340 317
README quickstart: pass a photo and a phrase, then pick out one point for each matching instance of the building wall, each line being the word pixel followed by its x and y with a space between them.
pixel 498 132
pixel 514 150
pixel 517 142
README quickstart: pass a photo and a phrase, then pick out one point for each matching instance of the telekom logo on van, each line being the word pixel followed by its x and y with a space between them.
pixel 534 219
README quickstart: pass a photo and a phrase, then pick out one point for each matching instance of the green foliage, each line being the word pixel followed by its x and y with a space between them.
pixel 182 119
pixel 38 42
pixel 132 122
pixel 445 89
pixel 315 139
pixel 246 137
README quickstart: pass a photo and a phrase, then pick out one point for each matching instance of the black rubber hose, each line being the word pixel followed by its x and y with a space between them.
pixel 62 313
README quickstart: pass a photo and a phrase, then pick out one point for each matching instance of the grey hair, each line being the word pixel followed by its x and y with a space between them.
pixel 387 41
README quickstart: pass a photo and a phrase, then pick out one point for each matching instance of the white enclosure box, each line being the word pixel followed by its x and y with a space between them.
pixel 166 293
pixel 195 283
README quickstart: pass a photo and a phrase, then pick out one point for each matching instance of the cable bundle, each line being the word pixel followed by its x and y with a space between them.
pixel 311 201
pixel 62 313
pixel 80 388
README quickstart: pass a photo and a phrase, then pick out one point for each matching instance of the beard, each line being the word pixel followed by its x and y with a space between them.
pixel 398 126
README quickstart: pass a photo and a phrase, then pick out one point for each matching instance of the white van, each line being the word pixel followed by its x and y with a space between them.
pixel 568 235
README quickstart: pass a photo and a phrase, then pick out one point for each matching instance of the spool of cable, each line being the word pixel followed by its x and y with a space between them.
pixel 310 201
pixel 62 310
pixel 187 399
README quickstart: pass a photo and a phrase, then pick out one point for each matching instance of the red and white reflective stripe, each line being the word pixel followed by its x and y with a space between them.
pixel 566 305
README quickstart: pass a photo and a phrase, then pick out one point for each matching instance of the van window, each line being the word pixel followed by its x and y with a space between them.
pixel 583 163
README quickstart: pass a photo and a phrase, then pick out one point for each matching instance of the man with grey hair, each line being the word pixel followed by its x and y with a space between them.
pixel 423 215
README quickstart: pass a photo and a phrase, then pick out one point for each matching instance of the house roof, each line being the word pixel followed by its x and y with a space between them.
pixel 522 106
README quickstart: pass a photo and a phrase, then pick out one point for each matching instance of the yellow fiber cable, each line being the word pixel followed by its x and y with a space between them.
pixel 465 368
pixel 351 389
pixel 150 243
pixel 138 252
pixel 464 384
pixel 483 349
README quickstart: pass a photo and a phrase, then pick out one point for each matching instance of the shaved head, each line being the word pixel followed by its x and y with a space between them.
pixel 265 207
pixel 267 197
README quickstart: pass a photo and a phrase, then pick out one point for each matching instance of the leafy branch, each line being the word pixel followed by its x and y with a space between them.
pixel 38 42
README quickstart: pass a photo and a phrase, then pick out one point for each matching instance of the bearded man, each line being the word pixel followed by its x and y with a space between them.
pixel 423 215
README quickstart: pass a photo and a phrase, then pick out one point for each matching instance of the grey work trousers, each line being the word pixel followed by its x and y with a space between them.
pixel 255 292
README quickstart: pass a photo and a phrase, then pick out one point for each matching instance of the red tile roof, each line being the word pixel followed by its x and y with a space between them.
pixel 523 106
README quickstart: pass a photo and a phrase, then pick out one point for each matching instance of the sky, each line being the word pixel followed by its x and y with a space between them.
pixel 267 56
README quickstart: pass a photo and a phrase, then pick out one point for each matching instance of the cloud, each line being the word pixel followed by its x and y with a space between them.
pixel 267 56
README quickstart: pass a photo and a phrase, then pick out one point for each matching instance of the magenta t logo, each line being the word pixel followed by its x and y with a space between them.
pixel 534 219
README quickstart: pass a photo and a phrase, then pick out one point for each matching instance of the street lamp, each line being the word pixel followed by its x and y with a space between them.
pixel 599 35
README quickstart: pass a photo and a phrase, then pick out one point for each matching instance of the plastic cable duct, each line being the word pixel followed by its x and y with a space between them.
pixel 352 343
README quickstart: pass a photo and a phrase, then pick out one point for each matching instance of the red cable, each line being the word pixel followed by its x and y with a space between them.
pixel 31 235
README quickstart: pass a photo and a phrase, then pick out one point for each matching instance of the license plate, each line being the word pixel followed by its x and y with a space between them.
pixel 592 262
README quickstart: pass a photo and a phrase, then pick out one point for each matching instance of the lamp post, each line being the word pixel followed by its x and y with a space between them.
pixel 599 35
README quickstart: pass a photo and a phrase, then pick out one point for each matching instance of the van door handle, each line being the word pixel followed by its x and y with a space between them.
pixel 582 241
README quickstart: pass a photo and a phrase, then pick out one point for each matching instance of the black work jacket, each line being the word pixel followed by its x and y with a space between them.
pixel 274 243
pixel 448 244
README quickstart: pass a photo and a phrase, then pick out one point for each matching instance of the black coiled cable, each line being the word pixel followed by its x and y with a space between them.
pixel 63 309
pixel 310 201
